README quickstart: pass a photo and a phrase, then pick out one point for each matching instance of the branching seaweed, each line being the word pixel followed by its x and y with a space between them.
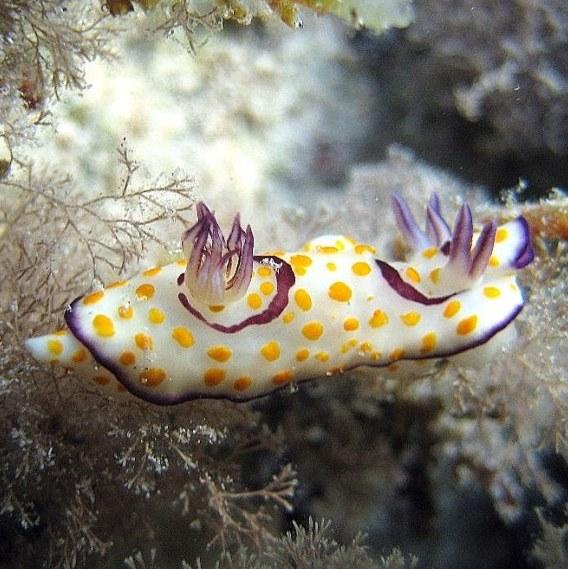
pixel 51 227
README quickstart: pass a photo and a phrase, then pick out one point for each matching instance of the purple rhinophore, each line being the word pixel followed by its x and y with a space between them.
pixel 285 280
pixel 218 270
pixel 457 243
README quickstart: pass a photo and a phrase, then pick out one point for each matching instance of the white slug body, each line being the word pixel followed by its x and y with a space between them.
pixel 329 307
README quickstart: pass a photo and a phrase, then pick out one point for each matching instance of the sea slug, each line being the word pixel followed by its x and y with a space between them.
pixel 224 322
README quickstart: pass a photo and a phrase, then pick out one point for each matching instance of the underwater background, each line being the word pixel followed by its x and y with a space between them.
pixel 116 118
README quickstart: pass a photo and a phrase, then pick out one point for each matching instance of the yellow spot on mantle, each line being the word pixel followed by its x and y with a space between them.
pixel 156 316
pixel 430 252
pixel 242 383
pixel 396 354
pixel 152 272
pixel 435 275
pixel 491 292
pixel 254 301
pixel 271 351
pixel 467 325
pixel 183 337
pixel 364 248
pixel 153 376
pixel 143 341
pixel 94 297
pixel 103 326
pixel 302 354
pixel 312 330
pixel 214 376
pixel 266 288
pixel 350 324
pixel 378 319
pixel 411 318
pixel 145 291
pixel 220 353
pixel 127 358
pixel 494 261
pixel 452 308
pixel 413 274
pixel 282 377
pixel 428 342
pixel 55 347
pixel 126 312
pixel 288 317
pixel 340 292
pixel 501 235
pixel 361 268
pixel 303 299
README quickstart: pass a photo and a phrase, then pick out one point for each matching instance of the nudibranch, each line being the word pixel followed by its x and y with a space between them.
pixel 224 322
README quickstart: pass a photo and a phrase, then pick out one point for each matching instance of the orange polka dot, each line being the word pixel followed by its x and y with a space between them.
pixel 467 325
pixel 116 284
pixel 494 261
pixel 143 341
pixel 411 318
pixel 322 356
pixel 501 235
pixel 125 312
pixel 312 330
pixel 364 248
pixel 396 354
pixel 435 275
pixel 452 308
pixel 340 292
pixel 242 383
pixel 55 347
pixel 127 358
pixel 145 291
pixel 153 376
pixel 94 297
pixel 220 353
pixel 266 288
pixel 300 261
pixel 361 268
pixel 429 341
pixel 302 354
pixel 271 351
pixel 413 274
pixel 331 266
pixel 156 316
pixel 264 271
pixel 254 301
pixel 378 319
pixel 366 347
pixel 430 252
pixel 282 377
pixel 103 326
pixel 327 249
pixel 288 317
pixel 303 299
pixel 214 376
pixel 183 337
pixel 350 324
pixel 491 292
pixel 216 307
pixel 152 272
